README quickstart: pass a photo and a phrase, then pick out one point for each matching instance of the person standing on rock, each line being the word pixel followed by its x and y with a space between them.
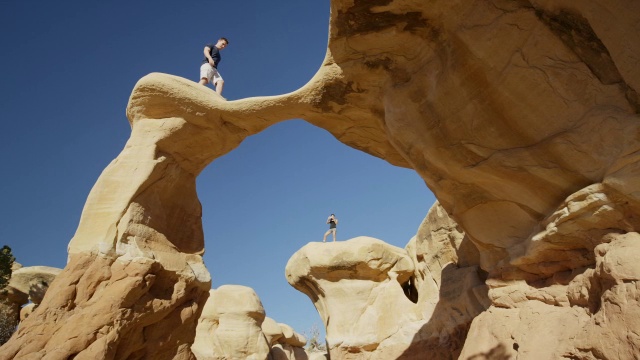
pixel 209 70
pixel 333 222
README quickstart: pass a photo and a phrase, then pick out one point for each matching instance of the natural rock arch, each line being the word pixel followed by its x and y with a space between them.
pixel 505 109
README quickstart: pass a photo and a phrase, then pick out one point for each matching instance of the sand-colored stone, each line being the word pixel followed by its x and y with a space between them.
pixel 288 352
pixel 382 302
pixel 357 287
pixel 575 292
pixel 317 356
pixel 26 284
pixel 233 326
pixel 230 326
pixel 26 311
pixel 33 281
pixel 272 331
pixel 507 109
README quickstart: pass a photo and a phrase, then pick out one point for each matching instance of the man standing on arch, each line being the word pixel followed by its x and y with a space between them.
pixel 209 70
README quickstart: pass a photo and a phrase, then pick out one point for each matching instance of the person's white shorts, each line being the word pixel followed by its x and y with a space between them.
pixel 210 73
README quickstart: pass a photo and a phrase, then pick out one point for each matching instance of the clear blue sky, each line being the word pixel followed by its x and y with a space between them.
pixel 68 69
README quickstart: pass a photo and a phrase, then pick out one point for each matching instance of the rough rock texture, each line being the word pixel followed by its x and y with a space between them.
pixel 505 108
pixel 33 281
pixel 588 299
pixel 448 286
pixel 230 326
pixel 26 311
pixel 381 302
pixel 233 325
pixel 26 284
pixel 271 330
pixel 287 344
pixel 358 288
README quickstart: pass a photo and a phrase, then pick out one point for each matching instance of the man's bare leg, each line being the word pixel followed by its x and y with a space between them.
pixel 219 86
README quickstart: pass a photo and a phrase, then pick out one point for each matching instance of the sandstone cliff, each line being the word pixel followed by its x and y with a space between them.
pixel 521 117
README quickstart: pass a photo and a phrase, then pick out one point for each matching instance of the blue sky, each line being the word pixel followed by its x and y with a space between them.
pixel 68 70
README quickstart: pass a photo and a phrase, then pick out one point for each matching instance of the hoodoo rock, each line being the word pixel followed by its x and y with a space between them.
pixel 382 302
pixel 357 287
pixel 521 116
pixel 233 326
pixel 230 326
pixel 27 284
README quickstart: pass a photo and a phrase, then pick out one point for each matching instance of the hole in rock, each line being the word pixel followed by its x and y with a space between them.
pixel 410 290
pixel 271 196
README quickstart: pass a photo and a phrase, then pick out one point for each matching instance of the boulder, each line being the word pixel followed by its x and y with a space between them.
pixel 230 326
pixel 272 331
pixel 33 281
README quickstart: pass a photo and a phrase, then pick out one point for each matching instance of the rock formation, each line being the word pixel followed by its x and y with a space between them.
pixel 230 326
pixel 521 117
pixel 587 300
pixel 33 281
pixel 286 344
pixel 233 326
pixel 27 284
pixel 382 302
pixel 357 287
pixel 289 346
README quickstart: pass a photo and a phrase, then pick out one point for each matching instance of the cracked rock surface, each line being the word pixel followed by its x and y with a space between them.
pixel 521 117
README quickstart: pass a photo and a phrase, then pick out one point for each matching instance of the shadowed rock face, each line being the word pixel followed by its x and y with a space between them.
pixel 511 111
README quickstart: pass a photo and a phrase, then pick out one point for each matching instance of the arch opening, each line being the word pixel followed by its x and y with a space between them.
pixel 271 195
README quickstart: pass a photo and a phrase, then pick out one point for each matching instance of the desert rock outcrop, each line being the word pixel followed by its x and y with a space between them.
pixel 33 281
pixel 382 302
pixel 233 325
pixel 26 284
pixel 588 248
pixel 358 288
pixel 288 346
pixel 521 117
pixel 230 326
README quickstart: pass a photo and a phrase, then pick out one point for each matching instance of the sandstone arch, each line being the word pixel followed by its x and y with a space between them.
pixel 504 108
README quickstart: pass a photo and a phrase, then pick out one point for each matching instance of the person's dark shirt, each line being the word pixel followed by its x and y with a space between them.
pixel 215 55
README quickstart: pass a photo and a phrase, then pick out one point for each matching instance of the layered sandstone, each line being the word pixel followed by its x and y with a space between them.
pixel 521 117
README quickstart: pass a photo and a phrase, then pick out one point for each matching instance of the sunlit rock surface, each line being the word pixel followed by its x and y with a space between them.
pixel 233 326
pixel 511 111
pixel 230 326
pixel 33 281
pixel 357 287
pixel 27 284
pixel 382 302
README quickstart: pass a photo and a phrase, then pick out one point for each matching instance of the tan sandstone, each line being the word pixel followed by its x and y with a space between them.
pixel 230 326
pixel 382 302
pixel 520 116
pixel 233 326
pixel 357 287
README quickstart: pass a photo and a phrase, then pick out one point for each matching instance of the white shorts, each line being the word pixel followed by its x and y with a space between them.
pixel 210 73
